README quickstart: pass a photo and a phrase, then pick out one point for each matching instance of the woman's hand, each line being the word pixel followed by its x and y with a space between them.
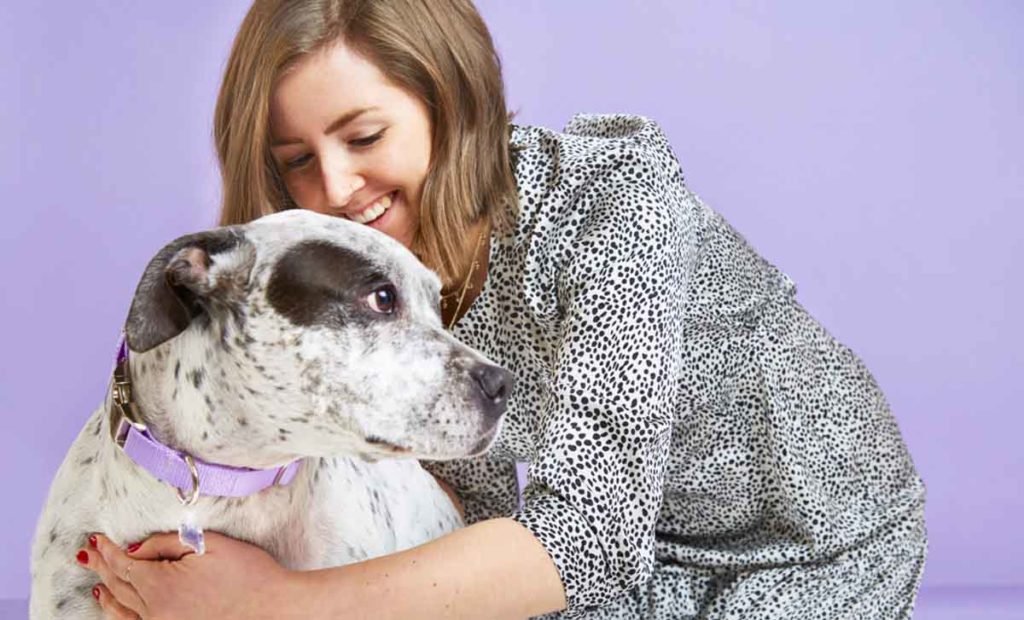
pixel 161 578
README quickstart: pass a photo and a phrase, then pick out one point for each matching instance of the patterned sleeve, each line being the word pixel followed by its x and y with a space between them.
pixel 595 486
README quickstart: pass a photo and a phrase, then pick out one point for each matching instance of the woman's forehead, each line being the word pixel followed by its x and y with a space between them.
pixel 326 84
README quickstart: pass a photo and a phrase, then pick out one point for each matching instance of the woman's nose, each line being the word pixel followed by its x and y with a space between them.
pixel 339 186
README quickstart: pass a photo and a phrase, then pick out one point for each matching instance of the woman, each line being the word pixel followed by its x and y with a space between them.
pixel 698 444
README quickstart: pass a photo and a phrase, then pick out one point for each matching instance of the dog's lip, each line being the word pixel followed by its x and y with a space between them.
pixel 377 441
pixel 351 213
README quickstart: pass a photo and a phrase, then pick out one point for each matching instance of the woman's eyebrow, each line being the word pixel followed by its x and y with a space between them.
pixel 338 123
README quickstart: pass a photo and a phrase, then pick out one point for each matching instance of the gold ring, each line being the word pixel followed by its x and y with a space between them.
pixel 128 572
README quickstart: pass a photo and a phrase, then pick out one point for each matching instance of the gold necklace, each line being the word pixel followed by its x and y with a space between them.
pixel 465 285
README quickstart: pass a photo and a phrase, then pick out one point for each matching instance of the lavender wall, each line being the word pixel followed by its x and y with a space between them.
pixel 873 150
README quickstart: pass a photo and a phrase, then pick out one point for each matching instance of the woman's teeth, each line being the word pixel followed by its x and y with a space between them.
pixel 373 211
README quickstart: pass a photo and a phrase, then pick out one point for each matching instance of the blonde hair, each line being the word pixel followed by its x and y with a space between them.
pixel 437 50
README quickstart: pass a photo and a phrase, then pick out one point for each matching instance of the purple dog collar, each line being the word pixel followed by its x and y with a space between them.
pixel 182 471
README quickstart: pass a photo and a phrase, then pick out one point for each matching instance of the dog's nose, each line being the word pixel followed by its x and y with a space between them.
pixel 494 381
pixel 494 386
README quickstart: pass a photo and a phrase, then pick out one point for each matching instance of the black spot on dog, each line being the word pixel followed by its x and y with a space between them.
pixel 177 369
pixel 314 380
pixel 319 283
pixel 197 376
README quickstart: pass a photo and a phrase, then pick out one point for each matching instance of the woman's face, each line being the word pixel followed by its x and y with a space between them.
pixel 350 143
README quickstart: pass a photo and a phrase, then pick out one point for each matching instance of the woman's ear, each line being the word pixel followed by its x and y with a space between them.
pixel 186 280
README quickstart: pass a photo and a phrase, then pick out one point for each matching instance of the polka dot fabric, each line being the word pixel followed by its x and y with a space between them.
pixel 698 445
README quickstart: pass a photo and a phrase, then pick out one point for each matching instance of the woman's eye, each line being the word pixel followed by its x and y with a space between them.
pixel 368 140
pixel 297 162
pixel 383 300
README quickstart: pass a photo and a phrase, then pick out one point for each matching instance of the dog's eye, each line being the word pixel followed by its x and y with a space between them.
pixel 383 300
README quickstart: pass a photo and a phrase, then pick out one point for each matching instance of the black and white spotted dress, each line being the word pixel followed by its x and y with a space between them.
pixel 698 445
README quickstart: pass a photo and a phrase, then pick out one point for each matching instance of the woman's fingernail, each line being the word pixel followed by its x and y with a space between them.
pixel 92 540
pixel 132 548
pixel 82 557
pixel 96 592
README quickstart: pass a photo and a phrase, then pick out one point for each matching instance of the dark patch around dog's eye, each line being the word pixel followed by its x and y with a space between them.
pixel 319 283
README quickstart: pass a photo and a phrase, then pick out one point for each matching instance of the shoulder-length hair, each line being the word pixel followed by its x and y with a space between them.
pixel 440 51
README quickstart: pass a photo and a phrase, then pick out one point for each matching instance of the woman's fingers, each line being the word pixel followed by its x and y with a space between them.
pixel 112 609
pixel 117 571
pixel 165 546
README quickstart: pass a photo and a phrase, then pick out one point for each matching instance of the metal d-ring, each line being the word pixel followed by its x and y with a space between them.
pixel 191 499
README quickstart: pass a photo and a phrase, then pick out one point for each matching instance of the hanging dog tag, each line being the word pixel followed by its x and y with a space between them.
pixel 191 535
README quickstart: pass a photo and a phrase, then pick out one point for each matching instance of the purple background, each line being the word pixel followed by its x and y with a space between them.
pixel 873 151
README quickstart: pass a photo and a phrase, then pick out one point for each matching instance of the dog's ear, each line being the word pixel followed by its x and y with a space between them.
pixel 188 279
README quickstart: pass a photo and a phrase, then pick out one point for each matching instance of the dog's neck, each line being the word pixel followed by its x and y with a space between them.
pixel 138 504
pixel 184 401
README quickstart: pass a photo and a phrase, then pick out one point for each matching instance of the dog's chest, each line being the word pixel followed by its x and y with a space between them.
pixel 336 511
pixel 359 510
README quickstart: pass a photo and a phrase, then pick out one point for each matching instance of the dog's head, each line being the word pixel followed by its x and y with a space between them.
pixel 304 335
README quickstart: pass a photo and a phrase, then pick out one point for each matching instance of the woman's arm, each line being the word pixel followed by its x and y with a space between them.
pixel 492 569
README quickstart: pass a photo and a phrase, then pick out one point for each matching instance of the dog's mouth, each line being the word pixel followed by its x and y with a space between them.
pixel 387 445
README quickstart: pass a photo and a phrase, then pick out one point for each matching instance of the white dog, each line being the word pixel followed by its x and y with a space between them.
pixel 269 367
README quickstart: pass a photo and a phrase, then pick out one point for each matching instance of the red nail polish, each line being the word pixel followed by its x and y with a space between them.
pixel 132 548
pixel 96 592
pixel 82 557
pixel 92 540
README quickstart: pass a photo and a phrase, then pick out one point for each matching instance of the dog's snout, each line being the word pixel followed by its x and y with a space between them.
pixel 493 389
pixel 495 382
